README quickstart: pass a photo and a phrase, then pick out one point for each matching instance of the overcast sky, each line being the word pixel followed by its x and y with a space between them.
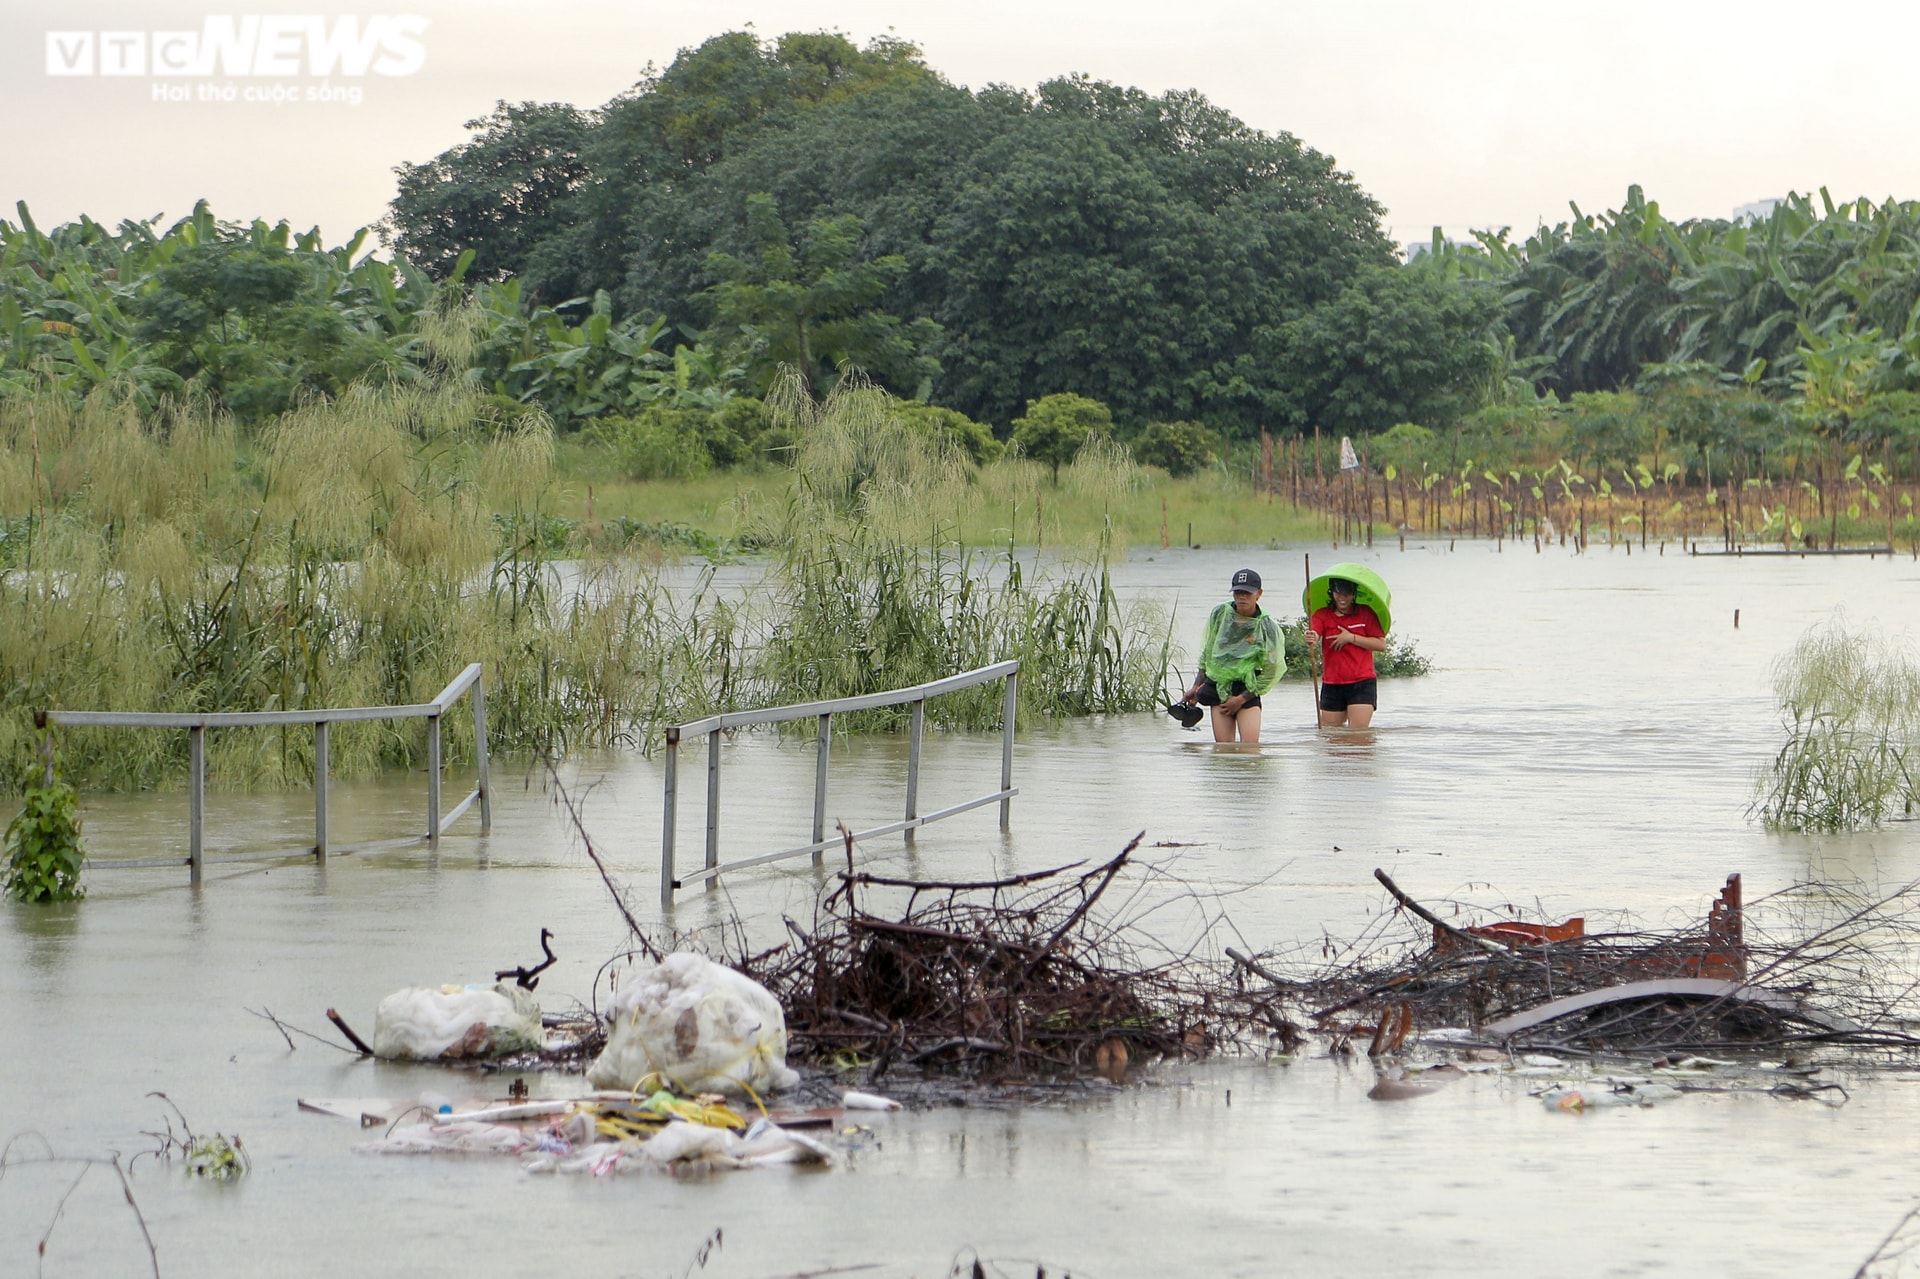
pixel 1476 114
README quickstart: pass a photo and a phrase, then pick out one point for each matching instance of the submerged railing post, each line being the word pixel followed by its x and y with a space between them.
pixel 1006 749
pixel 482 782
pixel 713 802
pixel 820 785
pixel 320 769
pixel 823 713
pixel 914 736
pixel 433 781
pixel 668 813
pixel 196 798
pixel 322 720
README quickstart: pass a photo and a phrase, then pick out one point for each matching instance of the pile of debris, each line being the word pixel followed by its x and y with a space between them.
pixel 1011 978
pixel 1557 987
pixel 1036 979
pixel 1001 979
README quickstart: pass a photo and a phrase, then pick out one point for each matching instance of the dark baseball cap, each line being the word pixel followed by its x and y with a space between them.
pixel 1246 580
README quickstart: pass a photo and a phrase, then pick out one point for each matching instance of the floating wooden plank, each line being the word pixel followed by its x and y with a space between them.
pixel 360 1109
pixel 375 1110
pixel 1686 987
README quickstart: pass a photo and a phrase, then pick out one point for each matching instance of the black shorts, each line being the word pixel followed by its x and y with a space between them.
pixel 1337 697
pixel 1210 695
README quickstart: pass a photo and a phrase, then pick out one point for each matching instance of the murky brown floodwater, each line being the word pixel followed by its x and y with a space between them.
pixel 1588 743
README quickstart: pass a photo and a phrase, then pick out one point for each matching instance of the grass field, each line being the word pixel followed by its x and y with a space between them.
pixel 1008 500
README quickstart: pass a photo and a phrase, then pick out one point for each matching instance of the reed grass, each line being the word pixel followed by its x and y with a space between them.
pixel 361 551
pixel 877 590
pixel 1850 703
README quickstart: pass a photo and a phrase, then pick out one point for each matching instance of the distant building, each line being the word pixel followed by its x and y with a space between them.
pixel 1758 211
pixel 1416 248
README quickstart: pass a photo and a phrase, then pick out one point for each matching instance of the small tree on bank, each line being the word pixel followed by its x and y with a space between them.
pixel 1055 426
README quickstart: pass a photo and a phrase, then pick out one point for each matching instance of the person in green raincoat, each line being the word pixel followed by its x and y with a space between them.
pixel 1242 656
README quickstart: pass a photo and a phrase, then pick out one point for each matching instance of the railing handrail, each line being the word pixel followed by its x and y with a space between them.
pixel 263 719
pixel 841 705
pixel 322 719
pixel 712 726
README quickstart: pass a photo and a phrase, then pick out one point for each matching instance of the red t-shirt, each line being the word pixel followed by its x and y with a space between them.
pixel 1348 664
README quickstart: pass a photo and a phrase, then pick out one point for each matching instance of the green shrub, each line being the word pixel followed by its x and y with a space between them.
pixel 732 432
pixel 660 444
pixel 44 853
pixel 975 439
pixel 1055 427
pixel 1180 448
pixel 779 443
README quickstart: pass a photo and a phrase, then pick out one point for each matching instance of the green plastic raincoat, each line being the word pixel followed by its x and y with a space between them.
pixel 1247 649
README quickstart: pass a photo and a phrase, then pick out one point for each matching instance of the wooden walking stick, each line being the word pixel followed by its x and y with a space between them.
pixel 1313 650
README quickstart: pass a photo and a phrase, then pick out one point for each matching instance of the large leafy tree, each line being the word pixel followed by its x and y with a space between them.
pixel 499 195
pixel 1395 344
pixel 813 306
pixel 1085 237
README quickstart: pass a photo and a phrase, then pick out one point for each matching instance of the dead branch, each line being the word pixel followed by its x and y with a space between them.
pixel 347 1030
pixel 1467 939
pixel 586 841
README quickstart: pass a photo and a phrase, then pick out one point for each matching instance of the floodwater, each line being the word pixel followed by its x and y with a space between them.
pixel 1587 744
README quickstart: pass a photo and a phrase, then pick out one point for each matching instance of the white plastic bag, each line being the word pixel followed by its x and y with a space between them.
pixel 698 1024
pixel 433 1023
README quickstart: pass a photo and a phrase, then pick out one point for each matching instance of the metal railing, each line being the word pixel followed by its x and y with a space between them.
pixel 714 725
pixel 197 726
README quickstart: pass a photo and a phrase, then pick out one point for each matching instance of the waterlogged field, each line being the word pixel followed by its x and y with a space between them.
pixel 1587 743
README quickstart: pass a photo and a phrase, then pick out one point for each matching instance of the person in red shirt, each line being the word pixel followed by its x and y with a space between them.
pixel 1347 635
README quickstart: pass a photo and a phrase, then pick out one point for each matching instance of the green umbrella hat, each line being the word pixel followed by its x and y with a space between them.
pixel 1372 592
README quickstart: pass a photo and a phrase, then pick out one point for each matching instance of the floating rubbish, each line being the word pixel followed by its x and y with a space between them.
pixel 462 1137
pixel 452 1023
pixel 500 1114
pixel 854 1099
pixel 602 1135
pixel 698 1025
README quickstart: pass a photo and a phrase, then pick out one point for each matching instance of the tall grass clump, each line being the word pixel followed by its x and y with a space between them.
pixel 362 550
pixel 1850 704
pixel 356 551
pixel 875 590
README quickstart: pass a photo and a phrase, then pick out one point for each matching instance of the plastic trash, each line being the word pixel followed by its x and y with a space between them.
pixel 1597 1095
pixel 688 1143
pixel 460 1138
pixel 447 1023
pixel 697 1024
pixel 854 1099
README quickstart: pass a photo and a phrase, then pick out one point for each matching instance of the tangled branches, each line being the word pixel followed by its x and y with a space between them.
pixel 999 978
pixel 1840 971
